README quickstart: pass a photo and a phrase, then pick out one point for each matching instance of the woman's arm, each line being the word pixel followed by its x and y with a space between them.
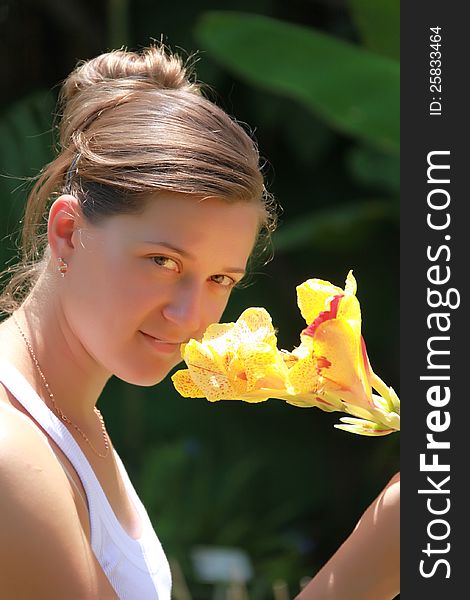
pixel 367 564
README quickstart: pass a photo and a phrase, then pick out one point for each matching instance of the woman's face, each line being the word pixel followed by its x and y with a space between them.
pixel 138 286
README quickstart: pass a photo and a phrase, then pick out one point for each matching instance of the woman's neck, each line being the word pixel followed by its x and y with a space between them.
pixel 74 377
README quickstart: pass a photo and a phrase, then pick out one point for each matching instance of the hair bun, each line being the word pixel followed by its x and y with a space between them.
pixel 154 67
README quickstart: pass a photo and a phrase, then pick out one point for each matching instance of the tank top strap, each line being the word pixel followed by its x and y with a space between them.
pixel 27 396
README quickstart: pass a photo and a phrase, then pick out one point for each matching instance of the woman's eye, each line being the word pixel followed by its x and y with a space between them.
pixel 166 263
pixel 223 280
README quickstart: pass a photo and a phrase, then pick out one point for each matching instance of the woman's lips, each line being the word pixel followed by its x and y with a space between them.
pixel 165 346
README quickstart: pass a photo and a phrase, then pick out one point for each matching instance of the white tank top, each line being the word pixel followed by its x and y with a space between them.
pixel 137 568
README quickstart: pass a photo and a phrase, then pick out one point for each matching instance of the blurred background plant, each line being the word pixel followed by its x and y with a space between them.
pixel 318 83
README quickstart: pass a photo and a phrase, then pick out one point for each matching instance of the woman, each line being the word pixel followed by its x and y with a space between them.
pixel 153 206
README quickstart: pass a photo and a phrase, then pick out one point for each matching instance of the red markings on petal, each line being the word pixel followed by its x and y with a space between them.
pixel 365 358
pixel 323 363
pixel 322 401
pixel 325 315
pixel 205 369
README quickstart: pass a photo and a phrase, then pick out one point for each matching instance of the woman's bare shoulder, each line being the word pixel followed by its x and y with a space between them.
pixel 17 430
pixel 41 534
pixel 23 444
pixel 30 476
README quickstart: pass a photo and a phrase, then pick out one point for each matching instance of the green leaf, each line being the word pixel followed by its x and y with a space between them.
pixel 375 169
pixel 25 142
pixel 379 25
pixel 355 91
pixel 338 227
pixel 26 139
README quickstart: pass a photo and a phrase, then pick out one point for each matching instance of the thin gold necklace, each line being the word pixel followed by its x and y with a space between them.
pixel 58 410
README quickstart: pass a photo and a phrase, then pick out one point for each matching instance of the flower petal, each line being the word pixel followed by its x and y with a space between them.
pixel 337 342
pixel 351 286
pixel 349 310
pixel 303 373
pixel 313 297
pixel 363 427
pixel 206 373
pixel 264 367
pixel 185 385
pixel 218 335
pixel 254 325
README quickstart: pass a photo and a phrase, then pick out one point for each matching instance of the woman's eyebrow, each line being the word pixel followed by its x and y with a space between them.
pixel 186 254
pixel 183 253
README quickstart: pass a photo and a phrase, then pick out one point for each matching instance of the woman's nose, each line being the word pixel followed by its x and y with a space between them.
pixel 185 309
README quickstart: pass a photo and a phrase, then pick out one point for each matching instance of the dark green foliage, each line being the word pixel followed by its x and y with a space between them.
pixel 25 147
pixel 353 90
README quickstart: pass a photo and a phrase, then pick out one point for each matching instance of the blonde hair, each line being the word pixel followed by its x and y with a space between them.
pixel 133 124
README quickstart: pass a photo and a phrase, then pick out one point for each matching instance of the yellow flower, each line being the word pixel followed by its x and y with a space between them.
pixel 329 369
pixel 234 361
pixel 332 346
pixel 333 339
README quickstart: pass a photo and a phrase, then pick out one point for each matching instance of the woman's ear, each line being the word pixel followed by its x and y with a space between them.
pixel 65 218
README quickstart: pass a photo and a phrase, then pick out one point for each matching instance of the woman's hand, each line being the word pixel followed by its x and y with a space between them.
pixel 367 564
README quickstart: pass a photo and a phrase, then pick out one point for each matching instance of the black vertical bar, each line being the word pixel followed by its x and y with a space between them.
pixel 435 509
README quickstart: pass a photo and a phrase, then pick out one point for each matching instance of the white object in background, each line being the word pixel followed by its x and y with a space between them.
pixel 217 564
